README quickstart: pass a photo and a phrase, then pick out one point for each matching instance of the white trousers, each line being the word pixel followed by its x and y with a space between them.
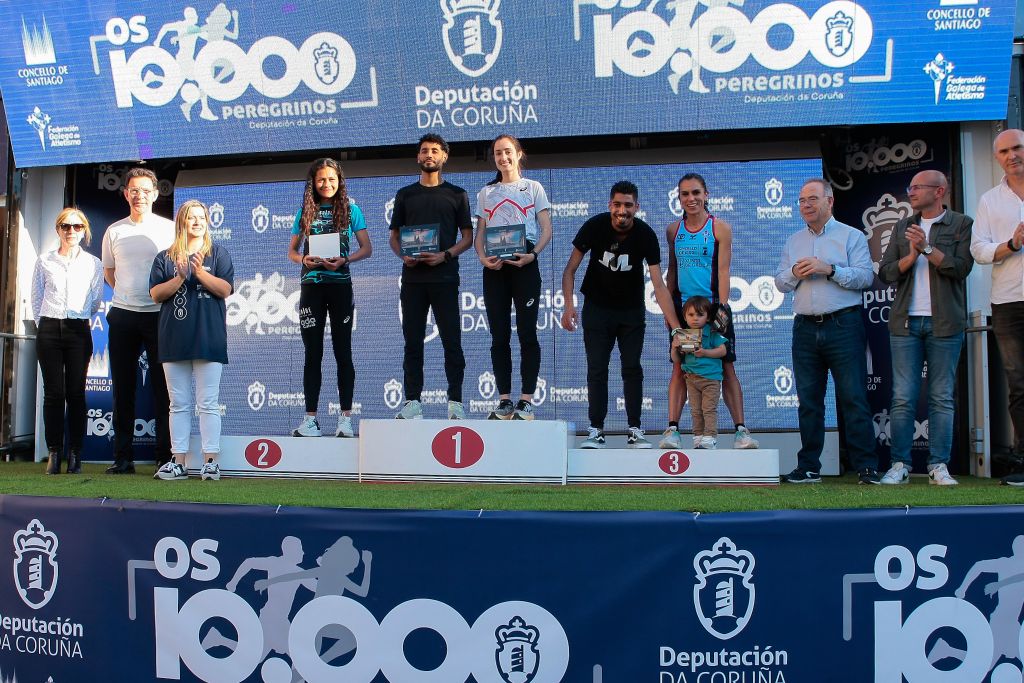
pixel 179 376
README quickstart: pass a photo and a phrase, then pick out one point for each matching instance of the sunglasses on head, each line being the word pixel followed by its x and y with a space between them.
pixel 68 227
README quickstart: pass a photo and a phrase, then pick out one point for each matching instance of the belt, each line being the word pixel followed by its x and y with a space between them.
pixel 819 318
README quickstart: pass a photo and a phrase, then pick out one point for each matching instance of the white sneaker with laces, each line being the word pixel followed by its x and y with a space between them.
pixel 211 470
pixel 939 475
pixel 897 474
pixel 309 427
pixel 708 442
pixel 742 439
pixel 635 438
pixel 671 439
pixel 412 410
pixel 456 411
pixel 595 438
pixel 171 471
pixel 696 440
pixel 345 427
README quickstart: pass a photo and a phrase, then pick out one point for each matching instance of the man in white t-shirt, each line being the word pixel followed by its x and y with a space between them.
pixel 928 260
pixel 129 247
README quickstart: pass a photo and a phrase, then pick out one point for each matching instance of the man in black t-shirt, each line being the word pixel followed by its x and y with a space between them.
pixel 614 309
pixel 431 279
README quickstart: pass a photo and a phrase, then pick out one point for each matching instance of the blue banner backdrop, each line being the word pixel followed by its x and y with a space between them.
pixel 227 594
pixel 261 390
pixel 128 80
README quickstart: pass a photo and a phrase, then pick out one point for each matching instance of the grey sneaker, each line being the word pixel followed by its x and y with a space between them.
pixel 743 439
pixel 211 470
pixel 456 411
pixel 412 410
pixel 171 471
pixel 635 438
pixel 671 438
pixel 309 427
pixel 345 427
pixel 524 411
pixel 897 474
pixel 939 475
pixel 595 438
pixel 505 410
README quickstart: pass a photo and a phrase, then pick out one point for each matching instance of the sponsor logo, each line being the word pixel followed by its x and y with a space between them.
pixel 486 385
pixel 216 215
pixel 724 593
pixel 35 564
pixel 208 64
pixel 879 221
pixel 719 37
pixel 257 395
pixel 144 366
pixel 37 43
pixel 260 218
pixel 570 210
pixel 472 34
pixel 521 642
pixel 263 307
pixel 716 205
pixel 389 211
pixel 773 191
pixel 958 15
pixel 929 622
pixel 783 379
pixel 540 394
pixel 392 393
pixel 517 656
pixel 953 88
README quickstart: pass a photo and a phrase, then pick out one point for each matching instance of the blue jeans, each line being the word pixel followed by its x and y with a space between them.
pixel 836 345
pixel 908 356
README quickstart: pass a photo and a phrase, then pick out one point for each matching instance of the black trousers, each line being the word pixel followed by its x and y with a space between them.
pixel 316 303
pixel 443 297
pixel 602 328
pixel 502 289
pixel 129 334
pixel 63 348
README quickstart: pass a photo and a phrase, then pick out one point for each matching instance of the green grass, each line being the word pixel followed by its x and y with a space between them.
pixel 835 493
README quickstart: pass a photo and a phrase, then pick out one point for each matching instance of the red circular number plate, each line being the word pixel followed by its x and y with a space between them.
pixel 457 447
pixel 674 462
pixel 263 454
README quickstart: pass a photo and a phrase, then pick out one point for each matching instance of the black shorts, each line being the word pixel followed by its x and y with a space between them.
pixel 730 339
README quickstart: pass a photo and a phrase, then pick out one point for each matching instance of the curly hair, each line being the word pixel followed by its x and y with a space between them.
pixel 311 201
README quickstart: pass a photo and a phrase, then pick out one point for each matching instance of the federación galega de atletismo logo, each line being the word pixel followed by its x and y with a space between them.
pixel 724 593
pixel 35 564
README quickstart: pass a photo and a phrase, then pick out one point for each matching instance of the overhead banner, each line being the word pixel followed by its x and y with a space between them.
pixel 228 594
pixel 262 391
pixel 130 80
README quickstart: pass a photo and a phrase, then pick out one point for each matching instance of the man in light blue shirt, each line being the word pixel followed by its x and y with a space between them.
pixel 826 265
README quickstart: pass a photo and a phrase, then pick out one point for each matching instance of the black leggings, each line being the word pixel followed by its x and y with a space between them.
pixel 502 289
pixel 316 302
pixel 63 348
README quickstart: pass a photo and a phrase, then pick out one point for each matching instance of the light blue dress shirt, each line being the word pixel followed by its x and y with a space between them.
pixel 838 244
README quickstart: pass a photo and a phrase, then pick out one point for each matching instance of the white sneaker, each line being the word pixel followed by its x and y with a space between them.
pixel 345 427
pixel 696 440
pixel 897 474
pixel 742 439
pixel 211 470
pixel 412 410
pixel 671 439
pixel 635 438
pixel 939 475
pixel 171 471
pixel 456 411
pixel 708 442
pixel 595 438
pixel 309 427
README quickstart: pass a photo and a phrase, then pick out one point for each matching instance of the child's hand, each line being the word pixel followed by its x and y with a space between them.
pixel 700 353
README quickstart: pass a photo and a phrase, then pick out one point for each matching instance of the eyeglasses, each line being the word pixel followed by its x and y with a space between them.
pixel 915 188
pixel 803 201
pixel 68 227
pixel 137 192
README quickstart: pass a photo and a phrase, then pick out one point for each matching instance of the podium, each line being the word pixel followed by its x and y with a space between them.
pixel 286 457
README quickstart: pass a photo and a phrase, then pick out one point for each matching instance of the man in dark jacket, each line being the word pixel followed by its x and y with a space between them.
pixel 928 259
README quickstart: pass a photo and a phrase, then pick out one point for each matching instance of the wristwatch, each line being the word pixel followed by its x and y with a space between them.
pixel 927 250
pixel 1009 244
pixel 447 256
pixel 831 274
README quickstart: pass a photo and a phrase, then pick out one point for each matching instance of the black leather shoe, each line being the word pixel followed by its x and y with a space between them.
pixel 74 461
pixel 122 467
pixel 53 462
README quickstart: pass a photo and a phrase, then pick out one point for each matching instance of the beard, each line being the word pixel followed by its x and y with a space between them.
pixel 430 167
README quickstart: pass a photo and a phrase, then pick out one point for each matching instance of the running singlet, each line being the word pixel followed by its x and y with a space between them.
pixel 696 261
